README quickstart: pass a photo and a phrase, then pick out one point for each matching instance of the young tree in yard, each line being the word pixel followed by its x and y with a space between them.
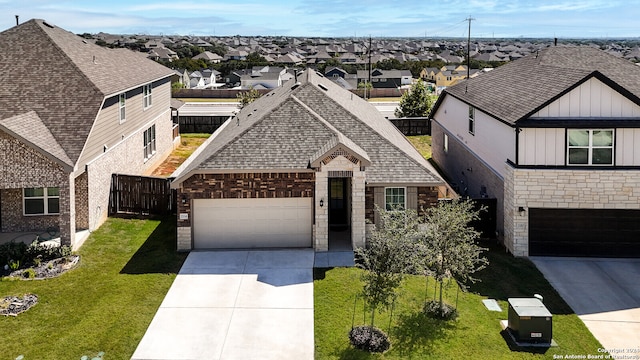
pixel 449 244
pixel 390 253
pixel 415 102
pixel 247 97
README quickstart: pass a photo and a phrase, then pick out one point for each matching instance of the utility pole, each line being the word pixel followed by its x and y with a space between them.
pixel 469 19
pixel 370 83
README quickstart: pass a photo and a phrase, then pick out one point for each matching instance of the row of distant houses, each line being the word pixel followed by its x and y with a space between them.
pixel 271 77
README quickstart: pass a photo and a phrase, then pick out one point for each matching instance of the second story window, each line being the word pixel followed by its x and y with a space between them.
pixel 122 99
pixel 589 147
pixel 146 98
pixel 472 120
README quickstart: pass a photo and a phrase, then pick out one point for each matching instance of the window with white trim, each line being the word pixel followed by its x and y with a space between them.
pixel 395 198
pixel 472 120
pixel 590 147
pixel 146 96
pixel 41 201
pixel 445 144
pixel 122 100
pixel 149 142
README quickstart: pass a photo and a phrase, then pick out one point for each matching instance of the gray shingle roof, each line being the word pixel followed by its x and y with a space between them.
pixel 63 79
pixel 516 90
pixel 30 129
pixel 289 127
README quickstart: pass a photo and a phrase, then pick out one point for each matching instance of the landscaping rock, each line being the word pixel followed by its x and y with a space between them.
pixel 48 269
pixel 14 305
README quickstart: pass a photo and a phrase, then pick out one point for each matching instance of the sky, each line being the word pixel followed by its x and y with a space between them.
pixel 337 18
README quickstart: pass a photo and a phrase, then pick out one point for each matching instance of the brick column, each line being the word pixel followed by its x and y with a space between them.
pixel 67 217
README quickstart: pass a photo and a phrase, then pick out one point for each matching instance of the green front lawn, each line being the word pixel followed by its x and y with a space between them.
pixel 423 144
pixel 105 304
pixel 475 334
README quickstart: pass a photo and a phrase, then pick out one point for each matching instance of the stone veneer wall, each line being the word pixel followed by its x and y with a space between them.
pixel 563 188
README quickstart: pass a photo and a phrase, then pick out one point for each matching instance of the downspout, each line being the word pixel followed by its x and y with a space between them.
pixel 517 161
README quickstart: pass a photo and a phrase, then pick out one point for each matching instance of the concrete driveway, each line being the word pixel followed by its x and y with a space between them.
pixel 236 305
pixel 605 294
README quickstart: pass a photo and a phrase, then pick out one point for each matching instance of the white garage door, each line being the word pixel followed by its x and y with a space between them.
pixel 251 223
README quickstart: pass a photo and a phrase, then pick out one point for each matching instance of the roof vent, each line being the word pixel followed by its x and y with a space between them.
pixel 47 24
pixel 321 86
pixel 319 74
pixel 84 41
pixel 295 86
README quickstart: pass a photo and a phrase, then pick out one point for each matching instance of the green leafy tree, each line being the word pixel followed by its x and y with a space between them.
pixel 247 97
pixel 389 255
pixel 448 243
pixel 416 102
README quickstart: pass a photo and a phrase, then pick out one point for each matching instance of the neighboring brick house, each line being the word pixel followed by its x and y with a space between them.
pixel 300 165
pixel 71 114
pixel 555 137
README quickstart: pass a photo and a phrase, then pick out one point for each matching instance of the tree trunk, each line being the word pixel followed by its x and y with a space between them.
pixel 441 281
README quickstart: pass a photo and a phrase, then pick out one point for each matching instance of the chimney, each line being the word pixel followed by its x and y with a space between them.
pixel 17 20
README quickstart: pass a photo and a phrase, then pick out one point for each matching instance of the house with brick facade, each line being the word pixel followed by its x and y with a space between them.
pixel 71 114
pixel 555 138
pixel 303 166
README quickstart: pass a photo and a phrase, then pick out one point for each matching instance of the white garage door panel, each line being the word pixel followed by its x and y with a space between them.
pixel 249 223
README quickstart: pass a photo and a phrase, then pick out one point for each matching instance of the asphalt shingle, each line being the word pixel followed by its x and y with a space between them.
pixel 288 127
pixel 514 91
pixel 63 78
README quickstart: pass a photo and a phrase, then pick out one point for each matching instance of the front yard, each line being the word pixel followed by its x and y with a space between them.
pixel 475 334
pixel 105 304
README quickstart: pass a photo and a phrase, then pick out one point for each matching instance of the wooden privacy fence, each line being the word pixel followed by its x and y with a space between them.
pixel 141 195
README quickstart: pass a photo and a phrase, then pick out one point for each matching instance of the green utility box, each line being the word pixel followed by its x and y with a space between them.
pixel 529 321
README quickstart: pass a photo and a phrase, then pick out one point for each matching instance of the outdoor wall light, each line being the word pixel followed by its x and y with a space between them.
pixel 321 202
pixel 184 199
pixel 521 210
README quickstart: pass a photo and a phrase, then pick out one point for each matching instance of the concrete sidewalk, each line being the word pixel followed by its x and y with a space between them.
pixel 253 304
pixel 604 293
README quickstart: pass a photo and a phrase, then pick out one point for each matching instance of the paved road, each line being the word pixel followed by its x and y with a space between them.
pixel 604 293
pixel 236 305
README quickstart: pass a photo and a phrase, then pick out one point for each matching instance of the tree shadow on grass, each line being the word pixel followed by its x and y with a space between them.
pixel 507 276
pixel 418 331
pixel 158 253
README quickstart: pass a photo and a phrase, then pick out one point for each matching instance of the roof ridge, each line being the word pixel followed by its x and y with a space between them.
pixel 384 138
pixel 57 46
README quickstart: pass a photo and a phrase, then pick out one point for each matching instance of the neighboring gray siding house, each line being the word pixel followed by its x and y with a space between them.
pixel 76 114
pixel 386 78
pixel 555 137
pixel 299 167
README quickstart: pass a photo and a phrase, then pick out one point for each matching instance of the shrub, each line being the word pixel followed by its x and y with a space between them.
pixel 369 339
pixel 29 273
pixel 12 251
pixel 45 252
pixel 444 312
pixel 14 265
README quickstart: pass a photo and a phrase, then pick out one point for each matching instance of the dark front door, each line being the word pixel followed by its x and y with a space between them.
pixel 584 232
pixel 338 202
